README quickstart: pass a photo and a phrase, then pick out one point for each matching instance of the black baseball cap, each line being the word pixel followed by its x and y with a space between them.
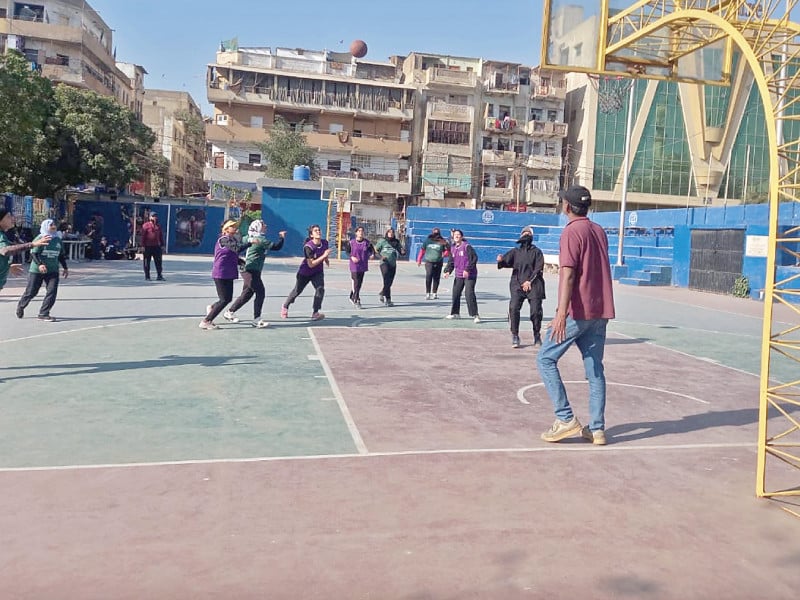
pixel 577 195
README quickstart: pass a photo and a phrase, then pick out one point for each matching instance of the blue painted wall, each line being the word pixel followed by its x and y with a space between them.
pixel 292 210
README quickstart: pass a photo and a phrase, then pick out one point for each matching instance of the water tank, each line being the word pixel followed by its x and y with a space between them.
pixel 301 173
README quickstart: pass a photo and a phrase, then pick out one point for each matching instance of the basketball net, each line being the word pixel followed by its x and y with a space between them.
pixel 611 91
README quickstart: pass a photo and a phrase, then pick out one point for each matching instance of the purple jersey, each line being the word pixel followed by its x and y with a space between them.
pixel 314 252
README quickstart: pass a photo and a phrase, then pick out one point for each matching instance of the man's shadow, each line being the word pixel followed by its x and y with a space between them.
pixel 627 432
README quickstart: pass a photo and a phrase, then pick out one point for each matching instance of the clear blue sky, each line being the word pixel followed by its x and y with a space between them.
pixel 175 39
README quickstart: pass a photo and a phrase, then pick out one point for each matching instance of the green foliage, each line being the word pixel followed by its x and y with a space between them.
pixel 741 287
pixel 285 149
pixel 26 124
pixel 54 137
pixel 108 137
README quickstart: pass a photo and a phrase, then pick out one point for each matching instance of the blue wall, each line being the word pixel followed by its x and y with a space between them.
pixel 292 210
pixel 115 220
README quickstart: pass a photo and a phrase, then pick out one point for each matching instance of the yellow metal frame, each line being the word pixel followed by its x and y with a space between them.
pixel 770 44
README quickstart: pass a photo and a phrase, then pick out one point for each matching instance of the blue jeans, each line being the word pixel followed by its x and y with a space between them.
pixel 590 337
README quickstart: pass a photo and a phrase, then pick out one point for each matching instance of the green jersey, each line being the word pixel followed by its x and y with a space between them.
pixel 434 250
pixel 387 250
pixel 48 255
pixel 257 252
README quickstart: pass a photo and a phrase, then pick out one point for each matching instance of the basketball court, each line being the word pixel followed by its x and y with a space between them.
pixel 383 452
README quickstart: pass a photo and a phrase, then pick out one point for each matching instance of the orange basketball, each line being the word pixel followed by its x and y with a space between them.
pixel 358 48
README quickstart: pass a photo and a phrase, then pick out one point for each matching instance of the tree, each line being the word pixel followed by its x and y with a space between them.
pixel 106 138
pixel 27 124
pixel 285 149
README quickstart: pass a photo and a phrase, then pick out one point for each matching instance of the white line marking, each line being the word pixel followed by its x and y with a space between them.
pixel 313 357
pixel 521 391
pixel 348 418
pixel 320 376
pixel 693 356
pixel 613 448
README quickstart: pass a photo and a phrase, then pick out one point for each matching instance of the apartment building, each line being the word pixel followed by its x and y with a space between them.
pixel 67 41
pixel 448 95
pixel 355 114
pixel 178 124
pixel 522 130
pixel 135 74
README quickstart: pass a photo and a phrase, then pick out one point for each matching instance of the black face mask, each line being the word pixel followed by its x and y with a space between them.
pixel 525 240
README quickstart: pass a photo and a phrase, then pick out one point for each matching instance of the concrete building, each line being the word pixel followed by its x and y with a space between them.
pixel 445 126
pixel 522 128
pixel 178 124
pixel 488 133
pixel 356 115
pixel 135 74
pixel 67 41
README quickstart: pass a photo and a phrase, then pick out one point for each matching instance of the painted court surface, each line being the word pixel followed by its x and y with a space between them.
pixel 381 453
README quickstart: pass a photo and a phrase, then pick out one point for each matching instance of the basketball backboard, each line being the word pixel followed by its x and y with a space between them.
pixel 340 189
pixel 623 37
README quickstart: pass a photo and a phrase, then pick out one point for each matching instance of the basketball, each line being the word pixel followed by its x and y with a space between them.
pixel 358 48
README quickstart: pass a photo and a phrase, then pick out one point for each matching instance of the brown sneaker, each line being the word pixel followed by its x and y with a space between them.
pixel 598 437
pixel 562 429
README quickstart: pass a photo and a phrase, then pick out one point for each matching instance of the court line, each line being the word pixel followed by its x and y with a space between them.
pixel 611 449
pixel 521 391
pixel 348 418
pixel 138 321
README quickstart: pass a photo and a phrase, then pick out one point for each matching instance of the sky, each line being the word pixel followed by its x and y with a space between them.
pixel 175 39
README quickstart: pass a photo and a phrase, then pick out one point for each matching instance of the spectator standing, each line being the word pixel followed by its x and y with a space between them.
pixel 153 245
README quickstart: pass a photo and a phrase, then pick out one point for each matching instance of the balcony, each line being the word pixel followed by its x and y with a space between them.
pixel 235 132
pixel 498 193
pixel 444 181
pixel 439 77
pixel 546 129
pixel 499 125
pixel 498 158
pixel 444 111
pixel 548 163
pixel 548 92
pixel 343 140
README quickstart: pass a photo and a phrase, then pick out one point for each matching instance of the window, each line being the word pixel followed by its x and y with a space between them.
pixel 222 119
pixel 336 127
pixel 552 115
pixel 536 114
pixel 500 181
pixel 257 121
pixel 490 110
pixel 360 161
pixel 505 110
pixel 518 147
pixel 254 158
pixel 448 132
pixel 577 51
pixel 334 165
pixel 487 143
pixel 356 133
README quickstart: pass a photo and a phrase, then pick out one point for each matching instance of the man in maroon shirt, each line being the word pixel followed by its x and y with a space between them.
pixel 152 242
pixel 585 304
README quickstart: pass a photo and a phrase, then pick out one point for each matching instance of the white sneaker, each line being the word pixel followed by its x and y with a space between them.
pixel 451 317
pixel 477 319
pixel 260 324
pixel 229 316
pixel 428 296
pixel 207 325
pixel 434 296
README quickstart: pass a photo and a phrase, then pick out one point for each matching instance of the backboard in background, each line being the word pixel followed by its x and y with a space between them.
pixel 342 190
pixel 630 38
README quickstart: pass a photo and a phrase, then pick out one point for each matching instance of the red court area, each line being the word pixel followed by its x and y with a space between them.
pixel 454 496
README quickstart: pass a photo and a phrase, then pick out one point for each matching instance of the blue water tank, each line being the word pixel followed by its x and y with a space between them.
pixel 301 173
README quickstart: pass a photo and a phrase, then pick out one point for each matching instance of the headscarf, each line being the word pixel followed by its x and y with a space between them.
pixel 255 228
pixel 44 228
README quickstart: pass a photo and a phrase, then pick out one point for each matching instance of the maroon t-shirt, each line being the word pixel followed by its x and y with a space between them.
pixel 584 247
